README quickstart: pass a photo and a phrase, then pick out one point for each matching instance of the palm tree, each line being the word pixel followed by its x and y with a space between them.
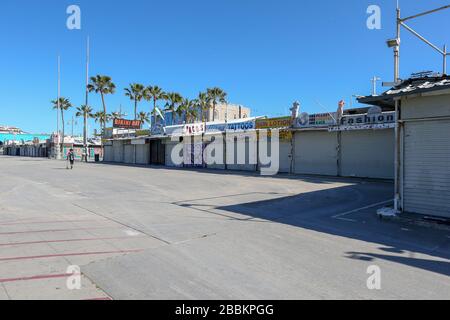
pixel 102 118
pixel 136 93
pixel 189 108
pixel 118 115
pixel 144 117
pixel 85 112
pixel 202 103
pixel 173 101
pixel 215 96
pixel 154 93
pixel 63 104
pixel 103 85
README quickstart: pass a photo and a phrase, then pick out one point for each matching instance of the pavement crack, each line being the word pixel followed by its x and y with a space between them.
pixel 122 224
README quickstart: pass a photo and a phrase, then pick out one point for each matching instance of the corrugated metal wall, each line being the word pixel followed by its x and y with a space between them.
pixel 109 154
pixel 315 153
pixel 219 143
pixel 427 167
pixel 142 154
pixel 170 145
pixel 118 151
pixel 129 154
pixel 285 154
pixel 368 154
pixel 251 158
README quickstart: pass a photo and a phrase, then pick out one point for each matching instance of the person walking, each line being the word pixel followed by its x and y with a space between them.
pixel 71 159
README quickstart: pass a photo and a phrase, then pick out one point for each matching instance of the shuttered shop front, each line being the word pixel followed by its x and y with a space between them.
pixel 316 153
pixel 427 168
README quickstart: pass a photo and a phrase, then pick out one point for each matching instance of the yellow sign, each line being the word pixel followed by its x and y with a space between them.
pixel 284 135
pixel 142 133
pixel 284 122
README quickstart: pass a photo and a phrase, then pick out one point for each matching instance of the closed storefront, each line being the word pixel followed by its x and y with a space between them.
pixel 118 151
pixel 241 152
pixel 129 153
pixel 109 153
pixel 368 154
pixel 170 147
pixel 143 154
pixel 193 152
pixel 423 145
pixel 316 152
pixel 427 167
pixel 214 152
pixel 284 151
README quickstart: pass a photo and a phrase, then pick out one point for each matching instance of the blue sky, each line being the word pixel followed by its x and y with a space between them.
pixel 265 54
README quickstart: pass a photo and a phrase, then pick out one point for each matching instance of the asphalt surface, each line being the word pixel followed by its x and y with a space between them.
pixel 158 233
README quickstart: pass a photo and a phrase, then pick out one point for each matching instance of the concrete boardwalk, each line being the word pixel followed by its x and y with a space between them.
pixel 156 233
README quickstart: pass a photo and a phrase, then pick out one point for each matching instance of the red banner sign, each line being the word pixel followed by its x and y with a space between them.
pixel 127 124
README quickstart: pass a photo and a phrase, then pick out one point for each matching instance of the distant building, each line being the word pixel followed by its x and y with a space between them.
pixel 222 113
pixel 225 112
pixel 10 130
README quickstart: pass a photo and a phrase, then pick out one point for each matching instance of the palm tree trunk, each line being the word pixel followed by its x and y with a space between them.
pixel 214 111
pixel 153 119
pixel 135 109
pixel 103 103
pixel 85 135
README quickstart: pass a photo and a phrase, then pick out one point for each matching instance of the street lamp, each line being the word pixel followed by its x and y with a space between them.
pixel 395 43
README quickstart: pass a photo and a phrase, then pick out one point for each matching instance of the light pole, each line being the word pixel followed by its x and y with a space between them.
pixel 58 148
pixel 395 43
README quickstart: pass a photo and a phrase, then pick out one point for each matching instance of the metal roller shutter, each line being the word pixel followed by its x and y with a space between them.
pixel 169 148
pixel 368 154
pixel 285 154
pixel 427 168
pixel 109 153
pixel 118 151
pixel 129 155
pixel 250 160
pixel 143 154
pixel 316 153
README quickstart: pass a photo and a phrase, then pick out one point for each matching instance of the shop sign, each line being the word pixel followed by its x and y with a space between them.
pixel 370 121
pixel 284 135
pixel 241 126
pixel 376 126
pixel 127 124
pixel 215 127
pixel 315 120
pixel 284 122
pixel 174 130
pixel 193 129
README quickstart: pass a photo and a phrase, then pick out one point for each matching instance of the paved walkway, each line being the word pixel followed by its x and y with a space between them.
pixel 156 233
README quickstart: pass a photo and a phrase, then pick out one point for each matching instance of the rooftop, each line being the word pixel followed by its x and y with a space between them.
pixel 412 86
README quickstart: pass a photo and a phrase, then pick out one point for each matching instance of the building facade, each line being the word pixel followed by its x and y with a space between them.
pixel 422 144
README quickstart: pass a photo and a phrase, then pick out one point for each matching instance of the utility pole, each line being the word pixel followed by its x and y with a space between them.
pixel 59 147
pixel 85 130
pixel 395 43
